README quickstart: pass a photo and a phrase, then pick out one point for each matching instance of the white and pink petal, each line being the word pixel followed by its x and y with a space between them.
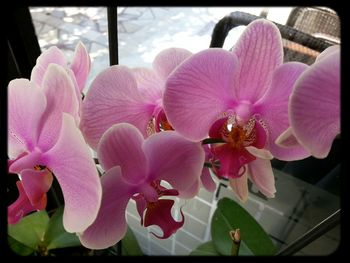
pixel 112 98
pixel 110 225
pixel 174 159
pixel 259 51
pixel 71 162
pixel 315 105
pixel 122 145
pixel 199 91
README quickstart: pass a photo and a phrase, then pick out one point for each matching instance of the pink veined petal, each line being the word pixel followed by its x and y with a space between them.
pixel 76 87
pixel 22 205
pixel 199 90
pixel 273 109
pixel 71 162
pixel 36 184
pixel 110 225
pixel 261 174
pixel 240 186
pixel 207 180
pixel 60 96
pixel 315 105
pixel 327 52
pixel 122 145
pixel 52 55
pixel 259 51
pixel 174 159
pixel 26 105
pixel 113 98
pixel 149 84
pixel 231 160
pixel 159 213
pixel 81 65
pixel 168 59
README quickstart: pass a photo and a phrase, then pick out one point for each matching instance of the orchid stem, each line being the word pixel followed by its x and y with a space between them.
pixel 236 241
pixel 212 140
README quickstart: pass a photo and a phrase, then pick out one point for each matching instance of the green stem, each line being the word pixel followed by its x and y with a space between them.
pixel 236 241
pixel 212 140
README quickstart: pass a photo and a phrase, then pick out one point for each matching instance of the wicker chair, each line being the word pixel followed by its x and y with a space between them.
pixel 298 45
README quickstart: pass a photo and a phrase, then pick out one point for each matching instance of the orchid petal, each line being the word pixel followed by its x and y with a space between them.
pixel 273 108
pixel 52 55
pixel 149 84
pixel 197 92
pixel 260 153
pixel 60 95
pixel 260 52
pixel 110 225
pixel 315 105
pixel 22 205
pixel 81 65
pixel 113 98
pixel 240 186
pixel 327 52
pixel 261 174
pixel 26 105
pixel 174 159
pixel 159 213
pixel 27 161
pixel 207 181
pixel 122 145
pixel 71 162
pixel 191 191
pixel 36 184
pixel 168 59
pixel 287 139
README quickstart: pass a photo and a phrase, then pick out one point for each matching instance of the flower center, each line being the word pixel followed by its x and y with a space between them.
pixel 236 135
pixel 158 123
pixel 39 167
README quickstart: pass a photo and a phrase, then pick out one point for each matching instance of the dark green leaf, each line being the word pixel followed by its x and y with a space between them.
pixel 206 249
pixel 56 236
pixel 130 246
pixel 30 230
pixel 18 247
pixel 229 216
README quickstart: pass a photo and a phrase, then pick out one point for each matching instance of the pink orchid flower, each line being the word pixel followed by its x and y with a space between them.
pixel 119 94
pixel 239 98
pixel 134 169
pixel 78 70
pixel 44 140
pixel 314 106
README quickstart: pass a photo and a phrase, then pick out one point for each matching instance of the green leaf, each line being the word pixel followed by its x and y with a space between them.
pixel 30 230
pixel 205 249
pixel 18 247
pixel 56 236
pixel 130 246
pixel 229 216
